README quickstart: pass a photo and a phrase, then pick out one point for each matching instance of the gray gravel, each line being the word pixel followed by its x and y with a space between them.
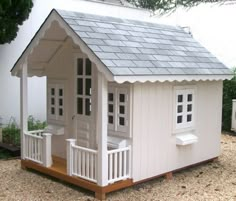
pixel 211 181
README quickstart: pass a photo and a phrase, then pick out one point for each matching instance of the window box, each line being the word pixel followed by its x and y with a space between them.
pixel 186 139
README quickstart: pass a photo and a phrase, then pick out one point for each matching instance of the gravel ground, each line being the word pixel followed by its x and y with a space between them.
pixel 211 181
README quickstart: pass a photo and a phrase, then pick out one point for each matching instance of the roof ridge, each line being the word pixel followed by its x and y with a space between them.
pixel 126 21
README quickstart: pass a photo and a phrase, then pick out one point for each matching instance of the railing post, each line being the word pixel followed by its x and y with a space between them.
pixel 70 143
pixel 47 151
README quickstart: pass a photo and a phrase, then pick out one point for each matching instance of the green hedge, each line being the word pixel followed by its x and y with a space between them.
pixel 229 93
pixel 11 133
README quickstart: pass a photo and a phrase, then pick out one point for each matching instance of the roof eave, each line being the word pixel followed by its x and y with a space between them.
pixel 169 78
pixel 54 16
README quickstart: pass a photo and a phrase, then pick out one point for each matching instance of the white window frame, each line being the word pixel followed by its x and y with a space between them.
pixel 185 125
pixel 56 85
pixel 116 129
pixel 83 96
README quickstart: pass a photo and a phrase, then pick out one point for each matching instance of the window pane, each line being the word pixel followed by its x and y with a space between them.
pixel 79 66
pixel 88 67
pixel 190 97
pixel 88 85
pixel 110 97
pixel 110 119
pixel 180 108
pixel 122 98
pixel 110 108
pixel 60 112
pixel 79 105
pixel 80 86
pixel 180 98
pixel 189 117
pixel 122 109
pixel 52 110
pixel 52 91
pixel 61 102
pixel 60 92
pixel 189 108
pixel 121 121
pixel 87 107
pixel 179 119
pixel 52 101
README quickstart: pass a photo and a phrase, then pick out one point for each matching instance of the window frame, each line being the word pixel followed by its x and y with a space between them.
pixel 185 125
pixel 57 85
pixel 116 129
pixel 84 78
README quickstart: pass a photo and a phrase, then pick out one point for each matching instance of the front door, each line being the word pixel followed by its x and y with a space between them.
pixel 85 125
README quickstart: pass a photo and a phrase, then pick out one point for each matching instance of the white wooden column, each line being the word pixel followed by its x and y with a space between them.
pixel 70 157
pixel 47 149
pixel 102 172
pixel 24 106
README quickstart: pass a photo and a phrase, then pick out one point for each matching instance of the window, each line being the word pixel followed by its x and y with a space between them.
pixel 118 101
pixel 84 86
pixel 184 103
pixel 56 101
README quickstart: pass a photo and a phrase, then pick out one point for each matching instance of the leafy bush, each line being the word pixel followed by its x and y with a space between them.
pixel 229 93
pixel 11 133
pixel 34 124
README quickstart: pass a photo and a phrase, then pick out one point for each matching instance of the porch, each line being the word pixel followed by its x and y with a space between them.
pixel 81 165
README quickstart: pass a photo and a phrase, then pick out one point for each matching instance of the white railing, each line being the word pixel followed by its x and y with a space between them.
pixel 83 162
pixel 37 147
pixel 34 146
pixel 119 164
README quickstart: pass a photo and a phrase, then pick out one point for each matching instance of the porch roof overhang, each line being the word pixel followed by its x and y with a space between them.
pixel 49 40
pixel 123 50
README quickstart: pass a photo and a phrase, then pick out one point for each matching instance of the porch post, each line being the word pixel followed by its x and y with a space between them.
pixel 102 172
pixel 47 149
pixel 69 159
pixel 24 106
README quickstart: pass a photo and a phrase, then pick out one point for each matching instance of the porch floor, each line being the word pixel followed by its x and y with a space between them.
pixel 58 170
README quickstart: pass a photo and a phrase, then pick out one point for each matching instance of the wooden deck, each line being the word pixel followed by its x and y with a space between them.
pixel 58 170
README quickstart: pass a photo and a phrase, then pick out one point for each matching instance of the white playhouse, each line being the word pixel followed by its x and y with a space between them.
pixel 126 100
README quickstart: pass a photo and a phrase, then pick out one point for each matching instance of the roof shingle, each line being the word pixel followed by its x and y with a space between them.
pixel 129 47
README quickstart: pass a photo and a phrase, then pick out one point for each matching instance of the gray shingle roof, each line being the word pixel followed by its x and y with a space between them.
pixel 128 47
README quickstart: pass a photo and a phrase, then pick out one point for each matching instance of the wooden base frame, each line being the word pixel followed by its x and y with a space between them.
pixel 60 173
pixel 58 170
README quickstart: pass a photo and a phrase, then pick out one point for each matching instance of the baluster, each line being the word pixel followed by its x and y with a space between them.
pixel 125 167
pixel 95 166
pixel 26 146
pixel 87 163
pixel 120 163
pixel 115 165
pixel 110 170
pixel 92 166
pixel 80 165
pixel 34 148
pixel 129 161
pixel 75 161
pixel 30 155
pixel 37 149
pixel 83 163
